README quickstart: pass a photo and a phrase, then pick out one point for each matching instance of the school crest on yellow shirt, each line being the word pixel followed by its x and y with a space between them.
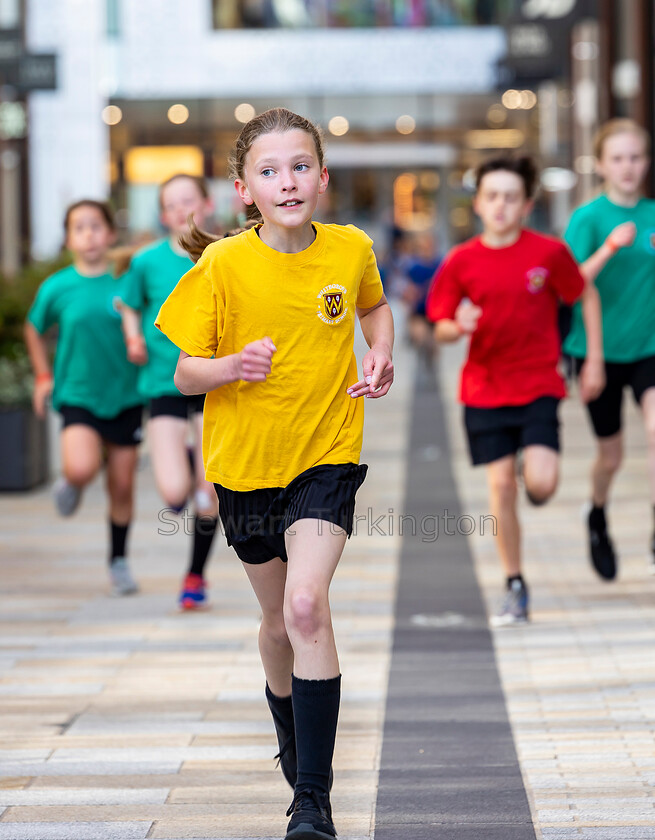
pixel 537 279
pixel 332 305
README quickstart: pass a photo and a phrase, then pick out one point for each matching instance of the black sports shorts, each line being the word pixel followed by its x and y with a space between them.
pixel 122 430
pixel 255 520
pixel 181 406
pixel 605 411
pixel 494 433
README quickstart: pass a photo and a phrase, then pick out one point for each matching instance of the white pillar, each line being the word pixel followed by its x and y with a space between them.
pixel 68 142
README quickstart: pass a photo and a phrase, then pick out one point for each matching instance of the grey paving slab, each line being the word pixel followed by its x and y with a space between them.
pixel 84 796
pixel 168 755
pixel 75 831
pixel 87 724
pixel 92 767
pixel 599 833
pixel 444 831
pixel 24 755
pixel 19 689
pixel 445 716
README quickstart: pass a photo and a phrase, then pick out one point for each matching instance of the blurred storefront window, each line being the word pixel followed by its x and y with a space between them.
pixel 113 19
pixel 249 14
pixel 9 14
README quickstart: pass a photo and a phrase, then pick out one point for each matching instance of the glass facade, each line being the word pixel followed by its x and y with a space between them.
pixel 257 14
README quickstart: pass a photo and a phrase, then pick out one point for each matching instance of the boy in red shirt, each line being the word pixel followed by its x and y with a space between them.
pixel 502 289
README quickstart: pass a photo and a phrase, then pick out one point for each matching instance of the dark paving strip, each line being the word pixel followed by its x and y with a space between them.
pixel 449 769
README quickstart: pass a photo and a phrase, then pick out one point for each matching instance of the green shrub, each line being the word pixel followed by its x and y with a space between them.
pixel 16 296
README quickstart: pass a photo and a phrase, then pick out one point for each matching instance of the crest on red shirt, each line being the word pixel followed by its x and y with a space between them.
pixel 536 278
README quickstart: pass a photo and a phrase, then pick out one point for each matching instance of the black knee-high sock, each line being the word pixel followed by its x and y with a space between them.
pixel 204 528
pixel 597 519
pixel 118 540
pixel 282 711
pixel 315 711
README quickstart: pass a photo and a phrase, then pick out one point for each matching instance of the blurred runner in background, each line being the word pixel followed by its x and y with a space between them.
pixel 613 237
pixel 152 275
pixel 95 386
pixel 502 290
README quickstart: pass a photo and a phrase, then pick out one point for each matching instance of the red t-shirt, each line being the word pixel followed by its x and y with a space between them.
pixel 514 352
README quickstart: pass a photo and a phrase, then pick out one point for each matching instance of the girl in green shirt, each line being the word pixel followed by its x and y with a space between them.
pixel 153 274
pixel 613 237
pixel 94 384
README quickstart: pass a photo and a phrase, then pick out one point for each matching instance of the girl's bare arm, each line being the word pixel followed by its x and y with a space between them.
pixel 197 375
pixel 38 353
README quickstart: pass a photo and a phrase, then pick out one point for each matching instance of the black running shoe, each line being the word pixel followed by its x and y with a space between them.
pixel 602 553
pixel 311 817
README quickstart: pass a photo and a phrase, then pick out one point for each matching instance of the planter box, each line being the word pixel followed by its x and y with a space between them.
pixel 23 449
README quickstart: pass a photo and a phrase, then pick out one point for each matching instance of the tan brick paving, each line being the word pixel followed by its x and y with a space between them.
pixel 121 718
pixel 124 719
pixel 580 679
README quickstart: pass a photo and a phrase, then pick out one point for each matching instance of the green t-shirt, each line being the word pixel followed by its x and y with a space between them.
pixel 627 283
pixel 91 369
pixel 152 276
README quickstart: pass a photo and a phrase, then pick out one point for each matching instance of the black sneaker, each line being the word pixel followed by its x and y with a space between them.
pixel 311 817
pixel 602 553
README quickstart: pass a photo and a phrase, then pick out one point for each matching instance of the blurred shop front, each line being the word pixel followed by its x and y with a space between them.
pixel 400 89
pixel 411 94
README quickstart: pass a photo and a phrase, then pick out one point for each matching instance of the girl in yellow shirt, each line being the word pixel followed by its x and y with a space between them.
pixel 265 324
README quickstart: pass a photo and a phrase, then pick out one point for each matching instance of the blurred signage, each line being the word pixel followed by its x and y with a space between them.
pixel 29 71
pixel 36 71
pixel 539 39
pixel 23 70
pixel 11 44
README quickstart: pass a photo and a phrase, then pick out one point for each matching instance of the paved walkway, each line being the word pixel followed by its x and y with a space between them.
pixel 123 719
pixel 580 679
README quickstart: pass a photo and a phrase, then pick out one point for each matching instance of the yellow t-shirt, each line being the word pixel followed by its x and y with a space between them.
pixel 264 434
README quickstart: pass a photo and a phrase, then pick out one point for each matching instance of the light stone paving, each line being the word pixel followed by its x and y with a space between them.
pixel 122 719
pixel 580 678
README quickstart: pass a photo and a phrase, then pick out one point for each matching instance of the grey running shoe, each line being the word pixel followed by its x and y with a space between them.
pixel 67 497
pixel 514 609
pixel 122 582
